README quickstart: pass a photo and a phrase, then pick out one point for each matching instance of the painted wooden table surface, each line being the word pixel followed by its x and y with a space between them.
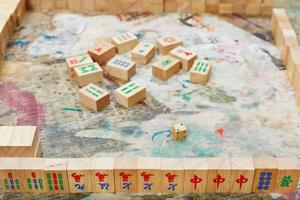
pixel 248 95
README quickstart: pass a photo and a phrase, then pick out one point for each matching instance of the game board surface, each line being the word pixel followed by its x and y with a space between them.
pixel 248 95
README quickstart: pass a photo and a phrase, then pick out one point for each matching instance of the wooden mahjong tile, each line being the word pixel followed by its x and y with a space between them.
pixel 200 72
pixel 124 42
pixel 94 97
pixel 166 43
pixel 77 61
pixel 186 57
pixel 102 52
pixel 121 68
pixel 166 67
pixel 143 53
pixel 130 94
pixel 90 73
pixel 56 175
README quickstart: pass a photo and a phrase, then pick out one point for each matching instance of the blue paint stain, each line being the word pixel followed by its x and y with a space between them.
pixel 139 35
pixel 49 37
pixel 59 52
pixel 106 125
pixel 183 84
pixel 132 130
pixel 159 133
pixel 21 43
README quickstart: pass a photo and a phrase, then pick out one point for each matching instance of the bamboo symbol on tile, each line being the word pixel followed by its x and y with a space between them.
pixel 88 68
pixel 202 67
pixel 130 88
pixel 93 91
pixel 83 59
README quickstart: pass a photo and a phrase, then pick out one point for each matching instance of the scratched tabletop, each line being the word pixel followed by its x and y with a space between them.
pixel 248 95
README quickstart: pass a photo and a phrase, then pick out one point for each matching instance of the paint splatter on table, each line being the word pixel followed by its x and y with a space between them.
pixel 248 96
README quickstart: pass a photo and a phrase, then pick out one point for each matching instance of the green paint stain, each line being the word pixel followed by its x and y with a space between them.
pixel 202 106
pixel 219 96
pixel 72 109
pixel 187 96
pixel 232 118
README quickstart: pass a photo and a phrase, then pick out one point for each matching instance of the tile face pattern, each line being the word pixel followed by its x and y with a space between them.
pixel 265 174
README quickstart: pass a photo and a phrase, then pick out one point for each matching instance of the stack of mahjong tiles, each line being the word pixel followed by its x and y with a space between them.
pixel 286 39
pixel 19 141
pixel 11 14
pixel 101 61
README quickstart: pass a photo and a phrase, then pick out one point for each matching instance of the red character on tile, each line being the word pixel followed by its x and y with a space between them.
pixel 100 176
pixel 125 176
pixel 146 176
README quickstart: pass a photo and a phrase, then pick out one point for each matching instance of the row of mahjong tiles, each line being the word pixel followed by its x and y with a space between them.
pixel 160 175
pixel 86 72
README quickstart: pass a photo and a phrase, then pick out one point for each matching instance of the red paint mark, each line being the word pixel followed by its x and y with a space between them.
pixel 29 111
pixel 220 132
pixel 221 50
pixel 119 17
